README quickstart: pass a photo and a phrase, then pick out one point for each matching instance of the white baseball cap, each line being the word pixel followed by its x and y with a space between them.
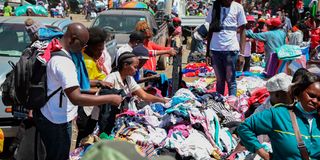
pixel 279 82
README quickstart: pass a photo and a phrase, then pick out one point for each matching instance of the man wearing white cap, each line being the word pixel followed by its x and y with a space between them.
pixel 278 87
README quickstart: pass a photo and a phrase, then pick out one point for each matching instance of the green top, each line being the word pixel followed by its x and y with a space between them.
pixel 7 11
pixel 276 123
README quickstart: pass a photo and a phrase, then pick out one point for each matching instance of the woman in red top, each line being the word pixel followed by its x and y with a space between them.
pixel 154 49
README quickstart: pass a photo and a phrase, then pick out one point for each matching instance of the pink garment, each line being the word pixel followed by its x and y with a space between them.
pixel 100 64
pixel 127 113
pixel 178 31
pixel 54 45
pixel 180 127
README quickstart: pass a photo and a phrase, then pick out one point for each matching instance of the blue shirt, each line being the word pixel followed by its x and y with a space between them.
pixel 272 39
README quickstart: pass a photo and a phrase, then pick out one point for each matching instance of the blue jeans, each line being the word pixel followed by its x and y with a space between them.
pixel 56 137
pixel 224 65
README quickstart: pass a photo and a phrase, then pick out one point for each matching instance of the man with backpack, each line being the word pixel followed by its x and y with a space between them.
pixel 53 120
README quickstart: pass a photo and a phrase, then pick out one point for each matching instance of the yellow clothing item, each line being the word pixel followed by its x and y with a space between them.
pixel 92 68
pixel 7 11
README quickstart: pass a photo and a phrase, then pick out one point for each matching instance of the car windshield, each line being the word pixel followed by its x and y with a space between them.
pixel 118 23
pixel 13 39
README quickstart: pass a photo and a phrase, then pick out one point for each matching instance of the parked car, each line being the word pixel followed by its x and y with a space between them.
pixel 121 22
pixel 14 39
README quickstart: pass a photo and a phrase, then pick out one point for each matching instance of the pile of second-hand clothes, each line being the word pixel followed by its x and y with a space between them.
pixel 190 126
pixel 198 70
pixel 197 123
pixel 186 127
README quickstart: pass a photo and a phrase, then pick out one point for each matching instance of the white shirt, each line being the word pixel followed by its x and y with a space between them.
pixel 61 72
pixel 125 48
pixel 116 80
pixel 60 10
pixel 247 49
pixel 226 40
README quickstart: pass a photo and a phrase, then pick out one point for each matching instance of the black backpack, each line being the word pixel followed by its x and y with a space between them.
pixel 26 84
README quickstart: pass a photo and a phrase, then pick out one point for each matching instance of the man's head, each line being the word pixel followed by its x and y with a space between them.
pixel 176 21
pixel 261 22
pixel 136 38
pixel 30 12
pixel 142 53
pixel 144 27
pixel 275 23
pixel 278 87
pixel 251 21
pixel 96 42
pixel 75 38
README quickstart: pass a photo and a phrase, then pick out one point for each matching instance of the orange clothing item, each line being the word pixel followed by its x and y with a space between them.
pixel 151 64
pixel 259 45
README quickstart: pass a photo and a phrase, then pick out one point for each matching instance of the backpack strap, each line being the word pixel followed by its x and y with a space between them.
pixel 53 93
pixel 63 54
pixel 301 146
pixel 60 53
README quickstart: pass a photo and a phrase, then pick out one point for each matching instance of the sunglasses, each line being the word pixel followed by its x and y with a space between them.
pixel 82 43
pixel 144 30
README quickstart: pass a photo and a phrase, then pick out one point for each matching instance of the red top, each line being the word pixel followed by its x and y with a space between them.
pixel 259 45
pixel 151 64
pixel 315 38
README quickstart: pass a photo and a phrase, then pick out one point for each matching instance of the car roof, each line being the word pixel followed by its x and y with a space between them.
pixel 56 22
pixel 139 12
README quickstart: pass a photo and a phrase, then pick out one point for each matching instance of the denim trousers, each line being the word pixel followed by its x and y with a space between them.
pixel 56 137
pixel 224 65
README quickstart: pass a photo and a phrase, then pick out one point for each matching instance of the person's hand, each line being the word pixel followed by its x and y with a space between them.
pixel 208 60
pixel 241 59
pixel 172 52
pixel 166 100
pixel 106 84
pixel 116 100
pixel 263 154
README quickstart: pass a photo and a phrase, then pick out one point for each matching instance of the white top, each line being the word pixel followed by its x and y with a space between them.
pixel 130 87
pixel 226 40
pixel 247 49
pixel 61 72
pixel 60 9
pixel 125 48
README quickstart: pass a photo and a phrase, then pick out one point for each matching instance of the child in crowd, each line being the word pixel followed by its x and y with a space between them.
pixel 246 56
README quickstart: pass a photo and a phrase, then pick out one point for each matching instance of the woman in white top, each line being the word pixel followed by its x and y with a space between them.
pixel 123 78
